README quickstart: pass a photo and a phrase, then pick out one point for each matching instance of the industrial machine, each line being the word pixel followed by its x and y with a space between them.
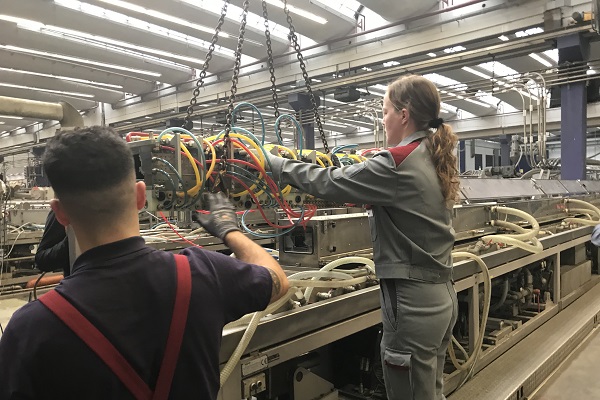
pixel 321 340
pixel 327 343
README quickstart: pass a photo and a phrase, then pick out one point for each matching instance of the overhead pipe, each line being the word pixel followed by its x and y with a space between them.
pixel 63 112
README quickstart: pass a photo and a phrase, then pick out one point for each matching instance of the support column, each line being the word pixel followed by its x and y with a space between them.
pixel 462 157
pixel 505 142
pixel 300 102
pixel 573 96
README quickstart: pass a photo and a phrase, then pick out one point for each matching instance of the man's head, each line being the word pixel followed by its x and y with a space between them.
pixel 92 174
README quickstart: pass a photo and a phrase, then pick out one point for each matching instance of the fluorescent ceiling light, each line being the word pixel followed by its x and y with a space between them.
pixel 541 60
pixel 479 103
pixel 64 78
pixel 448 107
pixel 299 11
pixel 590 71
pixel 332 100
pixel 334 124
pixel 390 64
pixel 367 69
pixel 77 60
pixel 120 47
pixel 380 87
pixel 164 17
pixel 103 43
pixel 475 72
pixel 503 38
pixel 254 22
pixel 10 117
pixel 529 32
pixel 9 85
pixel 2 122
pixel 144 26
pixel 454 49
pixel 498 69
pixel 431 55
pixel 552 54
pixel 445 82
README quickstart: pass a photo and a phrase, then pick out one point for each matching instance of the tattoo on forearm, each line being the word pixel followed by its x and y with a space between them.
pixel 276 288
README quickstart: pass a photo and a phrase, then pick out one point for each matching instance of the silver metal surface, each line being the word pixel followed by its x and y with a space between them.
pixel 518 372
pixel 551 187
pixel 486 189
pixel 325 238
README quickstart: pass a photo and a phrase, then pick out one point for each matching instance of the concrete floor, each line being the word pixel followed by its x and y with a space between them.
pixel 578 378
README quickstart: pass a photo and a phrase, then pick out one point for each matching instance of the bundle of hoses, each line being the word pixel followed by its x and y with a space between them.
pixel 518 240
pixel 308 280
pixel 583 207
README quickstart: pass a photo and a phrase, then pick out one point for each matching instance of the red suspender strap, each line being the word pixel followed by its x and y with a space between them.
pixel 111 356
pixel 178 321
pixel 97 342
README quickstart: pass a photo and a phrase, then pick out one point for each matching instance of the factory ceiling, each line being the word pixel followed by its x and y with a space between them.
pixel 123 55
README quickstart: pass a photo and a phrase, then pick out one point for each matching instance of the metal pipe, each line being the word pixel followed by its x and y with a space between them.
pixel 30 108
pixel 63 112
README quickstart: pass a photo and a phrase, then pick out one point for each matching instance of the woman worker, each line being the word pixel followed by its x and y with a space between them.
pixel 411 188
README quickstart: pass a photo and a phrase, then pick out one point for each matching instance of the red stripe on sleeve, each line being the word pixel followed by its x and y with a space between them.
pixel 401 152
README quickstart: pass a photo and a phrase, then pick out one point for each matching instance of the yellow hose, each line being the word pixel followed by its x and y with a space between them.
pixel 323 155
pixel 193 191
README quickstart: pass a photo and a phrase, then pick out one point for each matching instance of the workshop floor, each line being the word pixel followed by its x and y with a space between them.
pixel 578 378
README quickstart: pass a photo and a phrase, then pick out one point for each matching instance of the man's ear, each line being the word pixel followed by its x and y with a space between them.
pixel 59 211
pixel 140 191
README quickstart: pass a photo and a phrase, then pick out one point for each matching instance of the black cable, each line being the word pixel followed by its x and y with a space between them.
pixel 35 285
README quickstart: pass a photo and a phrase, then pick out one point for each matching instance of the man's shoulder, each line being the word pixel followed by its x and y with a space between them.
pixel 32 316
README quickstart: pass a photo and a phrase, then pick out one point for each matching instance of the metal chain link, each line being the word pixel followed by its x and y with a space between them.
pixel 236 72
pixel 211 49
pixel 294 38
pixel 271 66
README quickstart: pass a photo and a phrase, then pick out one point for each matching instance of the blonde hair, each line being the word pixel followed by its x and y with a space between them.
pixel 422 100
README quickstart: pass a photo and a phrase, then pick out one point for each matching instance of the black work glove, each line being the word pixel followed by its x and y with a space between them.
pixel 222 218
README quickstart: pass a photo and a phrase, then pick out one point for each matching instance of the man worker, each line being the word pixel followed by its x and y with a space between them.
pixel 53 251
pixel 152 322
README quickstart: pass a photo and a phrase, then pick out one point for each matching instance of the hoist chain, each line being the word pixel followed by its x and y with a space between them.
pixel 236 72
pixel 211 49
pixel 271 66
pixel 294 38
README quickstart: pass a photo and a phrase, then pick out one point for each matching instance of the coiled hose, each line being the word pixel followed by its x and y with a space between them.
pixel 296 281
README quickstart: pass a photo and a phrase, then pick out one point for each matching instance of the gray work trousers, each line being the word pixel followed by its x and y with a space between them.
pixel 418 318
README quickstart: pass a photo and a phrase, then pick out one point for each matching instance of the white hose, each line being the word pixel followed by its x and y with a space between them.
pixel 518 213
pixel 517 240
pixel 581 221
pixel 241 347
pixel 584 211
pixel 255 318
pixel 535 247
pixel 271 308
pixel 320 274
pixel 523 234
pixel 328 284
pixel 243 344
pixel 469 364
pixel 585 204
pixel 342 261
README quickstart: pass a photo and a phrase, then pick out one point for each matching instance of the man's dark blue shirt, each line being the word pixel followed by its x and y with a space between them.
pixel 127 291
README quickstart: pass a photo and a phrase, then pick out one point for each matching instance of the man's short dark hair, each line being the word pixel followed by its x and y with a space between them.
pixel 87 160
